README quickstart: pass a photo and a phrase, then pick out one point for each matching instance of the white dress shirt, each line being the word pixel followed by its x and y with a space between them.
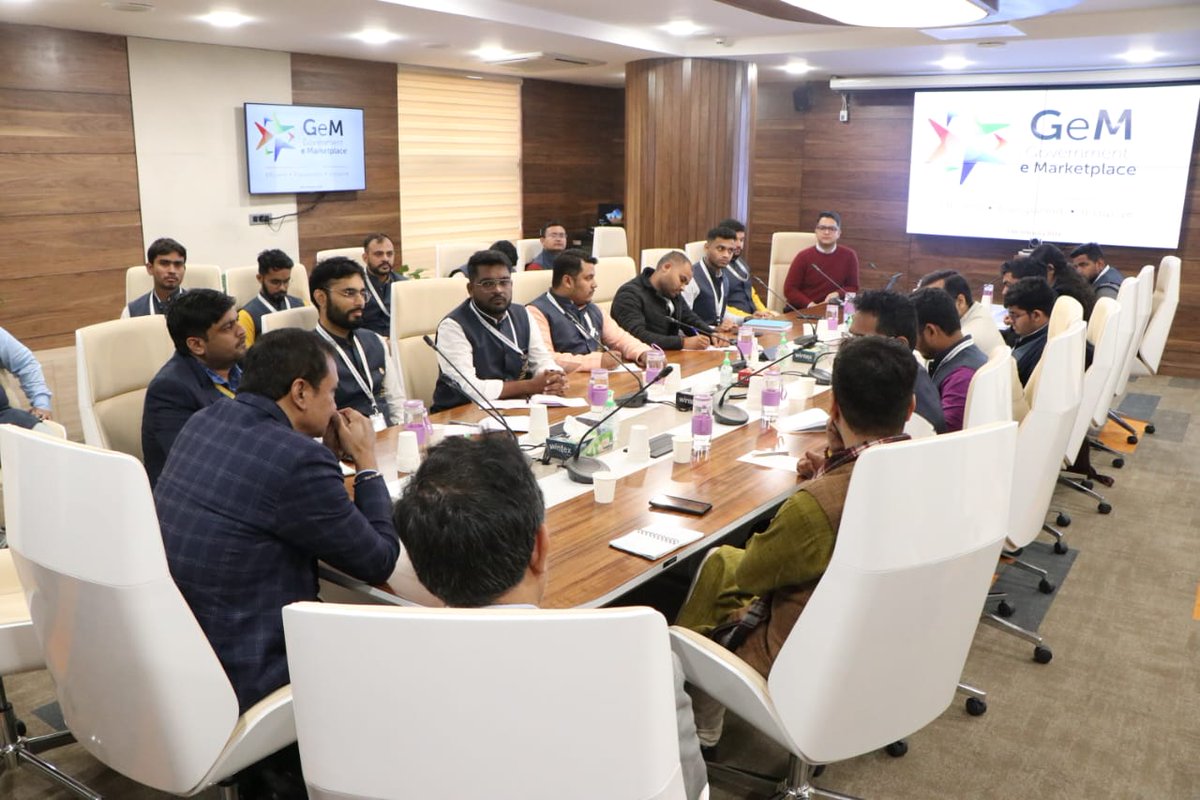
pixel 457 348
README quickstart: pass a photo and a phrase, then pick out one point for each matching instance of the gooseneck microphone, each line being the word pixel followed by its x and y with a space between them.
pixel 778 296
pixel 580 468
pixel 825 275
pixel 732 415
pixel 486 405
pixel 635 399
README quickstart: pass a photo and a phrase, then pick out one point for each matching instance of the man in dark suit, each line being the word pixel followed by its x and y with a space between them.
pixel 209 342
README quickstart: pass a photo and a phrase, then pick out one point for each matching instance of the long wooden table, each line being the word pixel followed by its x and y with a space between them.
pixel 584 570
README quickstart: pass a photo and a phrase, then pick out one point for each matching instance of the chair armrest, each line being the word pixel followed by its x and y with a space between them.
pixel 731 681
pixel 267 726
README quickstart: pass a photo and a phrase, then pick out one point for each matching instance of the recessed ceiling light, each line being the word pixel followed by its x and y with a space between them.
pixel 225 19
pixel 796 67
pixel 491 52
pixel 375 36
pixel 953 62
pixel 132 8
pixel 682 27
pixel 1140 55
pixel 892 14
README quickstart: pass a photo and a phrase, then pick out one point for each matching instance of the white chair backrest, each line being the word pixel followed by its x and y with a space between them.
pixel 241 283
pixel 115 362
pixel 784 247
pixel 303 317
pixel 498 688
pixel 196 276
pixel 611 272
pixel 1127 300
pixel 451 255
pixel 299 285
pixel 138 682
pixel 651 256
pixel 694 250
pixel 880 646
pixel 417 308
pixel 1042 439
pixel 1066 312
pixel 1102 334
pixel 355 253
pixel 529 284
pixel 918 427
pixel 989 397
pixel 19 649
pixel 1162 313
pixel 527 250
pixel 609 241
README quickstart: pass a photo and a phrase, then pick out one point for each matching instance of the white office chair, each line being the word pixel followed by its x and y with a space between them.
pixel 139 685
pixel 527 250
pixel 651 256
pixel 989 397
pixel 196 276
pixel 878 650
pixel 241 283
pixel 417 308
pixel 609 241
pixel 1143 304
pixel 528 285
pixel 463 703
pixel 115 362
pixel 303 317
pixel 448 256
pixel 611 273
pixel 784 247
pixel 1127 300
pixel 1066 312
pixel 695 250
pixel 1162 314
pixel 355 253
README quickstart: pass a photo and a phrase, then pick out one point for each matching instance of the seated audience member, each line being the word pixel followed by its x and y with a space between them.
pixel 952 356
pixel 274 277
pixel 880 313
pixel 472 520
pixel 708 292
pixel 21 362
pixel 975 318
pixel 1064 280
pixel 379 255
pixel 250 500
pixel 1088 260
pixel 502 246
pixel 743 300
pixel 577 329
pixel 366 376
pixel 806 286
pixel 1008 275
pixel 166 262
pixel 554 241
pixel 652 308
pixel 1029 302
pixel 748 599
pixel 209 343
pixel 493 342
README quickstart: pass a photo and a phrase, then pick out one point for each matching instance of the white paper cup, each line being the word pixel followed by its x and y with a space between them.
pixel 639 443
pixel 604 486
pixel 799 392
pixel 682 448
pixel 539 423
pixel 408 452
pixel 754 393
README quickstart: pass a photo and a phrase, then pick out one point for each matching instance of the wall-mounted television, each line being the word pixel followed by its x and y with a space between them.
pixel 292 149
pixel 1106 165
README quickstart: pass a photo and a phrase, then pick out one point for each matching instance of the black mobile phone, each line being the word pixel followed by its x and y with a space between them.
pixel 666 502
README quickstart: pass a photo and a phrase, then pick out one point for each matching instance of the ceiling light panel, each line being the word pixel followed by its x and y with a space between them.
pixel 895 14
pixel 225 19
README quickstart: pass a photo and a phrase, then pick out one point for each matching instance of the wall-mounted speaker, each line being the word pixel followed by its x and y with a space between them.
pixel 802 97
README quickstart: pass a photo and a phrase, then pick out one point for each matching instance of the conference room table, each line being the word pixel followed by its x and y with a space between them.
pixel 584 570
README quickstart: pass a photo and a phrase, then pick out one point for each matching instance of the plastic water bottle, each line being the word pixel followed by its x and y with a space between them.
pixel 772 392
pixel 656 360
pixel 831 317
pixel 598 390
pixel 726 379
pixel 848 306
pixel 416 419
pixel 988 292
pixel 702 422
pixel 606 435
pixel 745 342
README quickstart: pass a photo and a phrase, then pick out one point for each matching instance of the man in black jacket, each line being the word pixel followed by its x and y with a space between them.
pixel 652 308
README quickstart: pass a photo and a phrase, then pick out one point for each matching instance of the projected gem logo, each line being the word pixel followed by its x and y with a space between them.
pixel 963 143
pixel 276 137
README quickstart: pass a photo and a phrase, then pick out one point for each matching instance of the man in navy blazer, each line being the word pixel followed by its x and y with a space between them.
pixel 209 343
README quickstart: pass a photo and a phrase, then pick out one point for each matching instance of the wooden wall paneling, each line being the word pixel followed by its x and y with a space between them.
pixel 70 215
pixel 344 219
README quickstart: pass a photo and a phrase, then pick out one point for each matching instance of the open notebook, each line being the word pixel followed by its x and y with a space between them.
pixel 653 541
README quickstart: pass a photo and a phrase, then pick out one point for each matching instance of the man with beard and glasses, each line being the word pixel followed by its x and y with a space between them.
pixel 492 341
pixel 367 380
pixel 379 254
pixel 274 277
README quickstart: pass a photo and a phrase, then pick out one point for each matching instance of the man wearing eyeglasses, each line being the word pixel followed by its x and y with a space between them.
pixel 554 242
pixel 166 263
pixel 493 342
pixel 825 272
pixel 1029 302
pixel 366 380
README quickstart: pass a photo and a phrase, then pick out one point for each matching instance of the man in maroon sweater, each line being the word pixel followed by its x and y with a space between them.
pixel 805 285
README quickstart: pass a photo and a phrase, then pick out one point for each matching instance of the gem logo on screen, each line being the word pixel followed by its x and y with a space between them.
pixel 293 149
pixel 1065 165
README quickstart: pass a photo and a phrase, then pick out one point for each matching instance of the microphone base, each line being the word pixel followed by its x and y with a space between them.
pixel 632 400
pixel 580 469
pixel 730 415
pixel 824 377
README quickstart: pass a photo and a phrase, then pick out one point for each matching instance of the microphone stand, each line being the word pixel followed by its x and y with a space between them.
pixel 580 468
pixel 635 399
pixel 486 406
pixel 732 415
pixel 825 275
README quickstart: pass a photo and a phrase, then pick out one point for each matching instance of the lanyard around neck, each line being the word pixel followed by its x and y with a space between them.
pixel 511 344
pixel 270 308
pixel 363 379
pixel 591 329
pixel 387 312
pixel 720 298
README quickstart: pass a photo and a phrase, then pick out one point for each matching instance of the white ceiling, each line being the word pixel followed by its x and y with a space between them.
pixel 1058 34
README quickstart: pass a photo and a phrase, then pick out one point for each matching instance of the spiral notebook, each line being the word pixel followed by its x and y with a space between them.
pixel 654 542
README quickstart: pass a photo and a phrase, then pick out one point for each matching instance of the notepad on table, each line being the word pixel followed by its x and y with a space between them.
pixel 768 324
pixel 654 542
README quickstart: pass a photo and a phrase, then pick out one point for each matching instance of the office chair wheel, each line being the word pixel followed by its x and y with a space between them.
pixel 976 707
pixel 1045 586
pixel 1042 655
pixel 1004 609
pixel 1118 462
pixel 1131 439
pixel 896 749
pixel 1061 548
pixel 1063 519
pixel 1149 428
pixel 1104 508
pixel 1087 484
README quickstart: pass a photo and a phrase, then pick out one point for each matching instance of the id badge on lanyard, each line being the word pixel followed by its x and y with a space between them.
pixel 378 421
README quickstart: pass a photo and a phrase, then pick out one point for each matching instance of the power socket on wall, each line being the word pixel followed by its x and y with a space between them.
pixel 260 219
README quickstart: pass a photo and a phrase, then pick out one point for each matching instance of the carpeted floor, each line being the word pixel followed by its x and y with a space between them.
pixel 1116 714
